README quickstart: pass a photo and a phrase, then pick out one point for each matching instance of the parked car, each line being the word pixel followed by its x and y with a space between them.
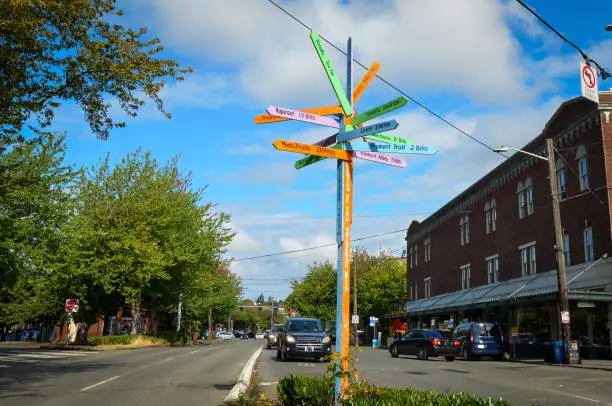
pixel 303 337
pixel 423 343
pixel 478 339
pixel 244 336
pixel 259 336
pixel 224 335
pixel 272 336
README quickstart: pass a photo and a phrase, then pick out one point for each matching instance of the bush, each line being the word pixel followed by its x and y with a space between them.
pixel 111 340
pixel 311 390
pixel 173 337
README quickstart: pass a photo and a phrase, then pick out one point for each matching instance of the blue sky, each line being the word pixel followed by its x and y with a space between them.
pixel 486 65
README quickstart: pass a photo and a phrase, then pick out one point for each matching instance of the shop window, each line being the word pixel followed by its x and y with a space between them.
pixel 583 168
pixel 561 179
pixel 493 268
pixel 566 249
pixel 589 252
pixel 427 287
pixel 466 276
pixel 427 246
pixel 464 228
pixel 528 258
pixel 490 216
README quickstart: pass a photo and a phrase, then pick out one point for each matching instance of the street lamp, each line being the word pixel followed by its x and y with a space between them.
pixel 609 27
pixel 565 332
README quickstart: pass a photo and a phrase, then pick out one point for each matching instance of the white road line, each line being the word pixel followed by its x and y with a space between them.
pixel 99 383
pixel 582 397
pixel 40 356
pixel 193 352
pixel 4 366
pixel 67 353
pixel 21 360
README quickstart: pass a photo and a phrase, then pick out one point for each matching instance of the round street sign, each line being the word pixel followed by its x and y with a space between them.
pixel 72 305
pixel 588 76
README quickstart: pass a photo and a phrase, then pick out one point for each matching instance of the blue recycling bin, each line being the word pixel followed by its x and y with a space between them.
pixel 557 352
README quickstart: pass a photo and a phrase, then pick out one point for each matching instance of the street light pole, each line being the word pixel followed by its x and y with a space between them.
pixel 559 249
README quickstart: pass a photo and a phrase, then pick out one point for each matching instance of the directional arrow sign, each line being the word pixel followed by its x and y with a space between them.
pixel 380 158
pixel 389 139
pixel 368 130
pixel 331 74
pixel 303 116
pixel 380 110
pixel 323 111
pixel 309 149
pixel 390 148
pixel 365 81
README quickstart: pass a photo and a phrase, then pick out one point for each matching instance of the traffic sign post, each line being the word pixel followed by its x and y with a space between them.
pixel 72 305
pixel 339 147
pixel 588 82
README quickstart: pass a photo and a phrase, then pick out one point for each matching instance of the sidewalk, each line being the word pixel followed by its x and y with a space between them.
pixel 599 364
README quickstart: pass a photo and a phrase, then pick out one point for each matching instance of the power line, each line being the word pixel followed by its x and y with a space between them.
pixel 319 246
pixel 391 85
pixel 297 217
pixel 602 72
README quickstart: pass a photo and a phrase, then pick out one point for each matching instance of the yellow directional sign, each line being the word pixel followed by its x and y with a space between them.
pixel 365 81
pixel 309 149
pixel 322 111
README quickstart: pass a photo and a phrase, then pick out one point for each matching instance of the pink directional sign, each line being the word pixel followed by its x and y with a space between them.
pixel 380 158
pixel 303 116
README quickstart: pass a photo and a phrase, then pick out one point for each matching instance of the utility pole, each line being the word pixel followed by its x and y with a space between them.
pixel 272 314
pixel 559 249
pixel 180 304
pixel 355 301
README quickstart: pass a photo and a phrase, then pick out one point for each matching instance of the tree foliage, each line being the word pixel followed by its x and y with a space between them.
pixel 73 50
pixel 381 286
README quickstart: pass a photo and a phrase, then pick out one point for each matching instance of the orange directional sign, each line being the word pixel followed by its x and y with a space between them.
pixel 365 81
pixel 309 149
pixel 322 111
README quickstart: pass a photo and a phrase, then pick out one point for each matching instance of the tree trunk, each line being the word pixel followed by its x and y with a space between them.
pixel 154 321
pixel 210 329
pixel 136 315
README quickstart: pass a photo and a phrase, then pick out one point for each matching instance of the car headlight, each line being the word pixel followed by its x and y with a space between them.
pixel 290 339
pixel 327 339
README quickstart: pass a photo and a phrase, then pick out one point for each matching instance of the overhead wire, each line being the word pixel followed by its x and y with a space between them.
pixel 602 72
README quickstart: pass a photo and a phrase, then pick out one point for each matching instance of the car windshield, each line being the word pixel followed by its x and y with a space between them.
pixel 305 326
pixel 486 330
pixel 434 334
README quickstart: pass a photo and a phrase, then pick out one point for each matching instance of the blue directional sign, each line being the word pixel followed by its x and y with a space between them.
pixel 390 148
pixel 368 130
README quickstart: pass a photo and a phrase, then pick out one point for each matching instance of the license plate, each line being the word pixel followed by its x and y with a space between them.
pixel 309 349
pixel 481 346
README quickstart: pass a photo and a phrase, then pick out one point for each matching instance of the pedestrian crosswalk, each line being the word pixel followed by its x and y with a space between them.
pixel 11 358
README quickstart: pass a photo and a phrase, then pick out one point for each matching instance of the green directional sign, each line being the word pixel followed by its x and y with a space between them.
pixel 331 73
pixel 389 139
pixel 380 110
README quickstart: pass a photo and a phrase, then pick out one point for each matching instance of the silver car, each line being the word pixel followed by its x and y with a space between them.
pixel 271 336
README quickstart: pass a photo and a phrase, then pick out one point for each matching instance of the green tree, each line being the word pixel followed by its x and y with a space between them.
pixel 315 296
pixel 35 206
pixel 74 50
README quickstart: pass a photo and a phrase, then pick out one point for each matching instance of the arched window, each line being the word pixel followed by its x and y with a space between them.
pixel 528 191
pixel 464 227
pixel 490 216
pixel 583 167
pixel 560 165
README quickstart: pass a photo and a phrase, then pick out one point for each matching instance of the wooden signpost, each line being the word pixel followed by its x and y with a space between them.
pixel 339 146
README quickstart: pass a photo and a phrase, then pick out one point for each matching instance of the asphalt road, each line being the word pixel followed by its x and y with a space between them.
pixel 201 375
pixel 520 383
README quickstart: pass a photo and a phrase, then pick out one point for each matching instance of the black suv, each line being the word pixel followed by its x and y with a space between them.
pixel 303 337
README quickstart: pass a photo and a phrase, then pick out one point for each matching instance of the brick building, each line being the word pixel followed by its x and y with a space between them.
pixel 488 254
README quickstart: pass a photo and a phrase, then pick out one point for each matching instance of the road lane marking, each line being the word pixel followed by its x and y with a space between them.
pixel 4 366
pixel 13 359
pixel 40 356
pixel 99 383
pixel 582 397
pixel 193 352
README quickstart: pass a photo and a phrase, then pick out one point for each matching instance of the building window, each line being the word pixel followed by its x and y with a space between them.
pixel 466 276
pixel 524 191
pixel 427 244
pixel 528 258
pixel 416 291
pixel 589 252
pixel 561 179
pixel 410 291
pixel 464 227
pixel 490 216
pixel 566 249
pixel 492 268
pixel 413 255
pixel 583 168
pixel 427 287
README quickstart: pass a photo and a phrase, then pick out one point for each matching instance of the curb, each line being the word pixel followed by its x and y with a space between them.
pixel 580 366
pixel 244 379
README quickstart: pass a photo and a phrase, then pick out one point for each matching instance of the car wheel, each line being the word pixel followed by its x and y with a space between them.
pixel 422 354
pixel 394 351
pixel 283 355
pixel 499 357
pixel 466 355
pixel 278 354
pixel 268 346
pixel 449 359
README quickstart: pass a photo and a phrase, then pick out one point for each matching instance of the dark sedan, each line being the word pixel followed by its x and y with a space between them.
pixel 423 343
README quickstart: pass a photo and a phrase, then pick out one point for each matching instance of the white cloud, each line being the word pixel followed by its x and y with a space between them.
pixel 276 60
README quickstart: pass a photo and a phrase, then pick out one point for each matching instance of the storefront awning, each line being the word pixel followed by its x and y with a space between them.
pixel 582 285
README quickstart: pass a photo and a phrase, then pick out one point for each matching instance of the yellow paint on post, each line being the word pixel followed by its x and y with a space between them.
pixel 292 146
